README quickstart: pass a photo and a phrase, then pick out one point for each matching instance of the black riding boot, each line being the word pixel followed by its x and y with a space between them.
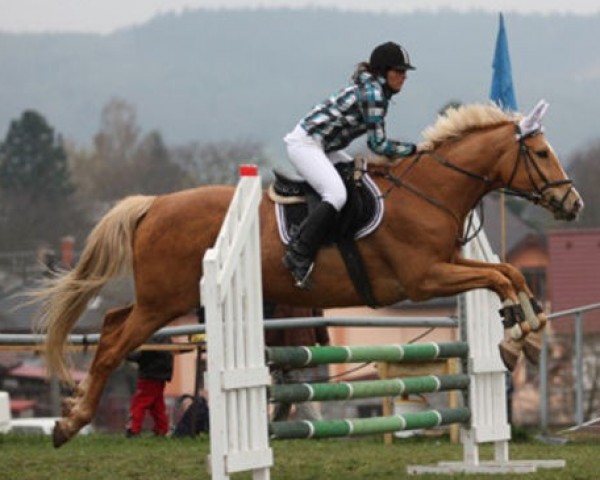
pixel 301 251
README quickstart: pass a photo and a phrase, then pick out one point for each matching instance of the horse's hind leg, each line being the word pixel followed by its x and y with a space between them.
pixel 123 331
pixel 112 320
pixel 75 413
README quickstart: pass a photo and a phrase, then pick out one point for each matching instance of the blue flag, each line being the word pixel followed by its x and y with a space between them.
pixel 502 92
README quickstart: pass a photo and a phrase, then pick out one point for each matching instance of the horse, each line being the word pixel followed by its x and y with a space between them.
pixel 414 254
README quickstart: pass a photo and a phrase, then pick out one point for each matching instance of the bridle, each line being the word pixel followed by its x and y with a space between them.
pixel 531 165
pixel 524 156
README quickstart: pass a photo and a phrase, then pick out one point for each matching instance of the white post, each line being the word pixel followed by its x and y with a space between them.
pixel 487 390
pixel 481 328
pixel 236 375
pixel 483 331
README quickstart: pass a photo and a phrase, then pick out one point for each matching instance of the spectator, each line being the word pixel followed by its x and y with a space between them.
pixel 155 369
pixel 304 336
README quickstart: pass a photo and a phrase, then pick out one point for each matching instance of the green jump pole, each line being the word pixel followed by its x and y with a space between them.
pixel 306 392
pixel 367 426
pixel 412 352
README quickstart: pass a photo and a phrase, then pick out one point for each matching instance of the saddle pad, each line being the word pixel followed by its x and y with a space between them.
pixel 369 225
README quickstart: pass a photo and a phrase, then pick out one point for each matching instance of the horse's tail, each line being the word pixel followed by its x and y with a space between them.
pixel 108 253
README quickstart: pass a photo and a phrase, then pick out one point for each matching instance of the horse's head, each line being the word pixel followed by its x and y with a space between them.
pixel 537 173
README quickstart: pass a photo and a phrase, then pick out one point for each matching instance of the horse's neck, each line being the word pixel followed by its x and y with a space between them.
pixel 488 153
pixel 479 153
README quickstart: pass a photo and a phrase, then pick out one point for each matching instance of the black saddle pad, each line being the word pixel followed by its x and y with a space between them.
pixel 360 216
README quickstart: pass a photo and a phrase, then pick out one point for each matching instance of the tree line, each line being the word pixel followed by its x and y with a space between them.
pixel 50 188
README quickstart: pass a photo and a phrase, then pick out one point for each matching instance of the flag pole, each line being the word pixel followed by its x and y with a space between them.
pixel 502 227
pixel 503 94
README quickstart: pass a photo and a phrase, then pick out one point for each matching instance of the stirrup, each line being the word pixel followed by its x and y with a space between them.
pixel 300 270
pixel 302 279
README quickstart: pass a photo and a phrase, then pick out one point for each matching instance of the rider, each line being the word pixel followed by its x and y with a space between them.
pixel 317 143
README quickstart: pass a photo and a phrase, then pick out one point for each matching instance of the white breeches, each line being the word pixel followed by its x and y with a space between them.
pixel 316 167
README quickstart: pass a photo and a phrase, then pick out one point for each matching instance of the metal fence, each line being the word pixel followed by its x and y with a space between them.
pixel 379 322
pixel 578 360
pixel 385 322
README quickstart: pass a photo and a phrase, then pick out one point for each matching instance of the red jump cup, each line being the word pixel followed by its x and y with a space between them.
pixel 248 171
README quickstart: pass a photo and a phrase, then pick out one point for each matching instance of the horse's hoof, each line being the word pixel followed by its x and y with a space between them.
pixel 59 437
pixel 510 351
pixel 532 347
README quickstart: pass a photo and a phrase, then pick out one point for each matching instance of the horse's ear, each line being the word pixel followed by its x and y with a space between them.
pixel 533 121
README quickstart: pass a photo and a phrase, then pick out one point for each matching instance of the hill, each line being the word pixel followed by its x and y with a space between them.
pixel 206 75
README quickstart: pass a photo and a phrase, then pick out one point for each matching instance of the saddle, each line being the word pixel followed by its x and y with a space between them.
pixel 294 199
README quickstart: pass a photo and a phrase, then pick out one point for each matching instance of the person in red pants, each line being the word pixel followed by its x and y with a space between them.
pixel 155 369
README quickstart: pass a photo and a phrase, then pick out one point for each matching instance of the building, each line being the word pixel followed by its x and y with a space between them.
pixel 574 281
pixel 574 275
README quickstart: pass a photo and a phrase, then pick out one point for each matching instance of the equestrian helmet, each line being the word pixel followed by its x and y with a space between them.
pixel 389 56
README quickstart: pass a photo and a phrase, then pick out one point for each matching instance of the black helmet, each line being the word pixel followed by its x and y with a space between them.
pixel 389 56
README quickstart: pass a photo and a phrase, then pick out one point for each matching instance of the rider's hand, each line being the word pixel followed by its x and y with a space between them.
pixel 405 149
pixel 411 148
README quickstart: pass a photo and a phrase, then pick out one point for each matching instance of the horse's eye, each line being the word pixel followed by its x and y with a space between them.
pixel 542 153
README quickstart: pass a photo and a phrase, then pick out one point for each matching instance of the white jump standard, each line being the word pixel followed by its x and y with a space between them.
pixel 238 378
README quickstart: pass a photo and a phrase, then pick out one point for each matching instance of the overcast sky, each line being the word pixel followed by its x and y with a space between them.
pixel 104 16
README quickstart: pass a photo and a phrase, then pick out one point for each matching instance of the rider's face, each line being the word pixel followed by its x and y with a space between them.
pixel 395 79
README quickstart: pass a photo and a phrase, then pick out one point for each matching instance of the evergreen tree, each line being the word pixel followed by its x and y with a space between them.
pixel 153 170
pixel 33 160
pixel 35 186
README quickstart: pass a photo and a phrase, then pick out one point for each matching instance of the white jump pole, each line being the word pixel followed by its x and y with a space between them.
pixel 236 375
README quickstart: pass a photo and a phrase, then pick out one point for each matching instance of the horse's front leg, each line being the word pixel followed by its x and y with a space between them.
pixel 534 315
pixel 445 279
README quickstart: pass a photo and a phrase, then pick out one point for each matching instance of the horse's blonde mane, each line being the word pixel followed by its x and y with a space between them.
pixel 455 122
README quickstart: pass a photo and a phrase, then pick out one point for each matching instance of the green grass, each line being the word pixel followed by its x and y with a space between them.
pixel 148 458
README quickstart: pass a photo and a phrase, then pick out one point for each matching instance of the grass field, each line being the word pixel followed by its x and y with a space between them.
pixel 149 458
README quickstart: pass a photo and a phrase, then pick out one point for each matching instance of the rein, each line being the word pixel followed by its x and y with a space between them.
pixel 523 155
pixel 399 182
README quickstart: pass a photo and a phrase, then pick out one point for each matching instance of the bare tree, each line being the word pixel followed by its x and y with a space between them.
pixel 217 163
pixel 124 161
pixel 119 133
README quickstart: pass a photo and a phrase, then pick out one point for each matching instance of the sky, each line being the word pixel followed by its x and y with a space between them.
pixel 106 16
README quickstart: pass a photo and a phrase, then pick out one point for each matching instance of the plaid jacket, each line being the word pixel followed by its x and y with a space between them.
pixel 355 110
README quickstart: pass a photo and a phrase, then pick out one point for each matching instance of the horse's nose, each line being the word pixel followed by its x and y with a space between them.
pixel 578 205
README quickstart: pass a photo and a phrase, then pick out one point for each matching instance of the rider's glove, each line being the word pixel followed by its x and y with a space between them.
pixel 411 148
pixel 405 149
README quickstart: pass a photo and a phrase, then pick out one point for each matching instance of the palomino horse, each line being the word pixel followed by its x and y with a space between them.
pixel 414 254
